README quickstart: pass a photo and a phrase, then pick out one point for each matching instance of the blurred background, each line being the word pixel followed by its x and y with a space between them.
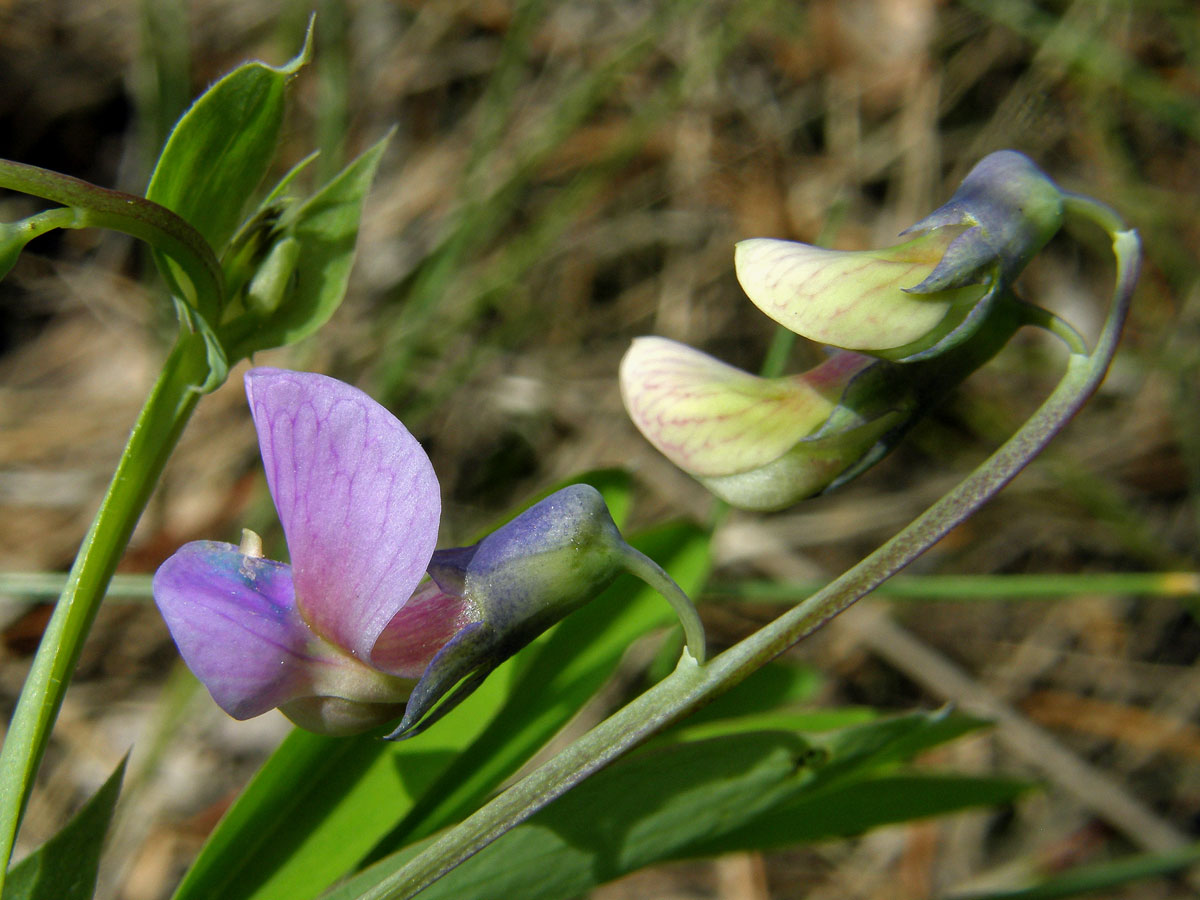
pixel 564 177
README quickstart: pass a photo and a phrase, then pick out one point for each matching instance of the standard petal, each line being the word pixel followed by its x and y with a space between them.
pixel 236 626
pixel 357 497
pixel 850 299
pixel 710 418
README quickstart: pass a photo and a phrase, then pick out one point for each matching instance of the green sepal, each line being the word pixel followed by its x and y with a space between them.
pixel 220 151
pixel 305 262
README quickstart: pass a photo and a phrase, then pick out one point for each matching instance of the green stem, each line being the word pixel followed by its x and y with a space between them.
pixel 97 207
pixel 692 685
pixel 154 435
pixel 1059 327
pixel 643 567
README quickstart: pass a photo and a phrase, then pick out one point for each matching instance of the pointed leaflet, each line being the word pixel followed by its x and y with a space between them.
pixel 221 148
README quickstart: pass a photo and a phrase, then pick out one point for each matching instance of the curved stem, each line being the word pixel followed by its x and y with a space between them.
pixel 154 435
pixel 642 566
pixel 97 207
pixel 1055 325
pixel 692 685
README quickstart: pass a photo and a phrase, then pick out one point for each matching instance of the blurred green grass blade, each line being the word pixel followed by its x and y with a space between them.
pixel 1032 586
pixel 557 677
pixel 487 205
pixel 643 808
pixel 333 83
pixel 860 805
pixel 65 867
pixel 488 211
pixel 1099 877
pixel 1098 59
pixel 977 587
pixel 162 82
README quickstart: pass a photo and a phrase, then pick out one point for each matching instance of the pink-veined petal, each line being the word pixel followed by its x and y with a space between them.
pixel 851 299
pixel 710 418
pixel 357 497
pixel 415 634
pixel 234 620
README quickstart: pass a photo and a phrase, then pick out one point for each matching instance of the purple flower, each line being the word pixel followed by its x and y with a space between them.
pixel 360 505
pixel 342 638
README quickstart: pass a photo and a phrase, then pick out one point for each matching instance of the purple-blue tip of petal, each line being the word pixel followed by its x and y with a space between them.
pixel 235 623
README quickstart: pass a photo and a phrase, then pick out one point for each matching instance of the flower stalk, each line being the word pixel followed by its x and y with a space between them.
pixel 91 206
pixel 690 685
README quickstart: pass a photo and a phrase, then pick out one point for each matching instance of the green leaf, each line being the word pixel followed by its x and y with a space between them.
pixel 220 150
pixel 646 807
pixel 651 805
pixel 296 292
pixel 65 867
pixel 694 798
pixel 855 807
pixel 865 748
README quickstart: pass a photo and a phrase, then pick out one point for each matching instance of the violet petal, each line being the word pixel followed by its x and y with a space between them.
pixel 357 497
pixel 234 620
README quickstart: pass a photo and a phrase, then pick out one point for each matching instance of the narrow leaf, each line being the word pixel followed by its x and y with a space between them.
pixel 647 807
pixel 855 807
pixel 65 867
pixel 682 797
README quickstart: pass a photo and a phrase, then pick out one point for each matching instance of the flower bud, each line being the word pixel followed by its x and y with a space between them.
pixel 766 443
pixel 922 297
pixel 856 300
pixel 518 581
pixel 757 443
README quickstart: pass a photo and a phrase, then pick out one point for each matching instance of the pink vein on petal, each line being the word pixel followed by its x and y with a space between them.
pixel 357 497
